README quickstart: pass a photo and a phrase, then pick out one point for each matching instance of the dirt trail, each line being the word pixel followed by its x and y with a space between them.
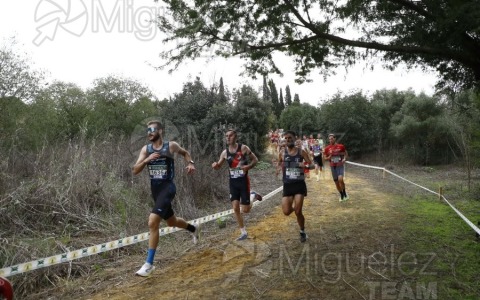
pixel 345 241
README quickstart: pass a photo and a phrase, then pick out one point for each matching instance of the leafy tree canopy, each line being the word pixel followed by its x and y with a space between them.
pixel 17 77
pixel 321 34
pixel 301 118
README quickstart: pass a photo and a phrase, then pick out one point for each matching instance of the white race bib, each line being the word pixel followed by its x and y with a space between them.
pixel 236 173
pixel 293 173
pixel 158 171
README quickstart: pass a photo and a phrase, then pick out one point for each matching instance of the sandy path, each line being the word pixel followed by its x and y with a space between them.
pixel 335 263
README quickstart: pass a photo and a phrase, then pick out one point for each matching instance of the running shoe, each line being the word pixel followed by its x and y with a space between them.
pixel 303 237
pixel 196 234
pixel 242 237
pixel 255 196
pixel 146 270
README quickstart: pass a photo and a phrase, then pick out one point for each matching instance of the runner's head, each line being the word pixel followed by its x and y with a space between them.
pixel 290 137
pixel 154 130
pixel 332 138
pixel 231 136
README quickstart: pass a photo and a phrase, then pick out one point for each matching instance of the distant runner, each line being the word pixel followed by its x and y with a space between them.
pixel 337 155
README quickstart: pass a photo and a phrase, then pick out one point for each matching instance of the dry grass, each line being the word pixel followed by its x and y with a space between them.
pixel 352 252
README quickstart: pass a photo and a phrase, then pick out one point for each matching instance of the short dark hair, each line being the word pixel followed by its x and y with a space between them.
pixel 291 132
pixel 156 122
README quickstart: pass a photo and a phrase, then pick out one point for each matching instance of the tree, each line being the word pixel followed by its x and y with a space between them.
pixel 17 78
pixel 70 104
pixel 301 118
pixel 388 102
pixel 266 90
pixel 274 97
pixel 188 110
pixel 221 92
pixel 318 34
pixel 250 120
pixel 288 96
pixel 296 99
pixel 281 102
pixel 13 120
pixel 112 98
pixel 421 128
pixel 354 119
pixel 463 120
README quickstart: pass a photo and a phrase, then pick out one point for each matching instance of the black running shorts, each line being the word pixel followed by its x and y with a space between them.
pixel 294 188
pixel 240 190
pixel 163 194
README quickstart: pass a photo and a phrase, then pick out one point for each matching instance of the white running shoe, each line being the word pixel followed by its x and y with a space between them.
pixel 196 234
pixel 146 270
pixel 242 237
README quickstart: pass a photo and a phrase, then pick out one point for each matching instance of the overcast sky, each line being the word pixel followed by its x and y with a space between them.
pixel 78 41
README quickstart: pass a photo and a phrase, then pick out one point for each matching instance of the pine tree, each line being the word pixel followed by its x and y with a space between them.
pixel 221 92
pixel 288 96
pixel 266 91
pixel 274 97
pixel 282 104
pixel 296 99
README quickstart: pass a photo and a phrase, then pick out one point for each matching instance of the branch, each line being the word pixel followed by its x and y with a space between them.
pixel 416 8
pixel 378 46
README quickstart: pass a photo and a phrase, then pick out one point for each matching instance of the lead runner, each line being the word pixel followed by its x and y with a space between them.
pixel 291 161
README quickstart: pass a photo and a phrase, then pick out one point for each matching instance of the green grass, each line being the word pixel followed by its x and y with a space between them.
pixel 433 231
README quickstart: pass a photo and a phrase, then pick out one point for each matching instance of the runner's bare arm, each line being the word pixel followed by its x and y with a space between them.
pixel 279 163
pixel 306 157
pixel 326 156
pixel 218 164
pixel 253 158
pixel 142 161
pixel 345 156
pixel 176 148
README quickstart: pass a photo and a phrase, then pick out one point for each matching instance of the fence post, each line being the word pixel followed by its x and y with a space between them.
pixel 440 193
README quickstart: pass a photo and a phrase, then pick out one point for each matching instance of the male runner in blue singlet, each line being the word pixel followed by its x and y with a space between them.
pixel 158 156
pixel 291 161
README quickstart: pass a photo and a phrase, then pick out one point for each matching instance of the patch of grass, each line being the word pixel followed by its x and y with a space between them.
pixel 445 246
pixel 263 165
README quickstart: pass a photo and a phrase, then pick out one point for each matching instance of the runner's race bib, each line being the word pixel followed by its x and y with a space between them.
pixel 316 153
pixel 336 159
pixel 158 171
pixel 293 173
pixel 236 173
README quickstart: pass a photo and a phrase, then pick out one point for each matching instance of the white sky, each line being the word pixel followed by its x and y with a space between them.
pixel 93 39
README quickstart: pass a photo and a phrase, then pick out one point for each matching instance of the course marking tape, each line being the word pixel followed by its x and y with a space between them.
pixel 473 226
pixel 108 246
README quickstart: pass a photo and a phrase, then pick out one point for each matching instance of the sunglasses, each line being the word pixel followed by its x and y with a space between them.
pixel 151 129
